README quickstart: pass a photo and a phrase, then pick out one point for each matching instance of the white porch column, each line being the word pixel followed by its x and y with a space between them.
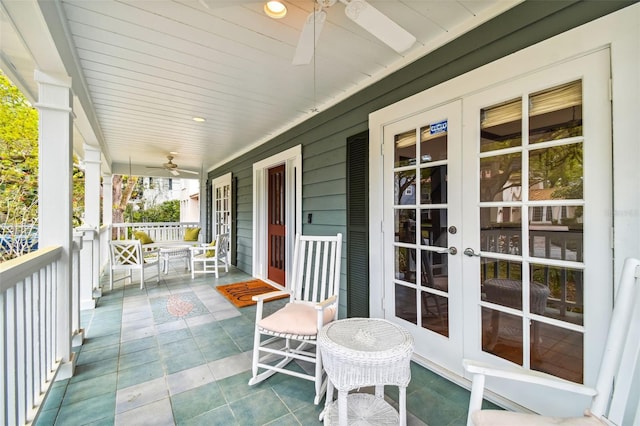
pixel 90 282
pixel 107 199
pixel 54 197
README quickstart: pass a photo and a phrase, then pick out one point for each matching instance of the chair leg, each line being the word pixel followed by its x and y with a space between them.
pixel 193 269
pixel 215 263
pixel 141 278
pixel 110 279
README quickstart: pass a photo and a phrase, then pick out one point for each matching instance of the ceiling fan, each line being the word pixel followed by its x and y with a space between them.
pixel 360 12
pixel 172 167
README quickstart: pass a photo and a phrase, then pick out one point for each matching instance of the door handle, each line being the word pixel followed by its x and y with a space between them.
pixel 451 250
pixel 469 252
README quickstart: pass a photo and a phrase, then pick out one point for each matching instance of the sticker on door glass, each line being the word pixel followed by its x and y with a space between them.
pixel 439 127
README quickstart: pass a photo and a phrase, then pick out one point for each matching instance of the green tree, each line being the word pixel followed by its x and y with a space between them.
pixel 169 211
pixel 19 173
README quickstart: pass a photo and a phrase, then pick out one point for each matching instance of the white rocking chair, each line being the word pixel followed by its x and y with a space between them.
pixel 290 333
pixel 617 389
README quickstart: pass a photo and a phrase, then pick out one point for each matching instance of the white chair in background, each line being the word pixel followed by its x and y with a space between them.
pixel 617 389
pixel 291 332
pixel 127 255
pixel 210 256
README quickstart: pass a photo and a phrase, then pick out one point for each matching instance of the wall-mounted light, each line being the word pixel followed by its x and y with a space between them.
pixel 275 9
pixel 199 119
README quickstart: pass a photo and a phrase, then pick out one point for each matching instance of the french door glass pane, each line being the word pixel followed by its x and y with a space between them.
pixel 405 149
pixel 433 185
pixel 405 225
pixel 501 178
pixel 556 113
pixel 501 126
pixel 501 229
pixel 405 187
pixel 555 173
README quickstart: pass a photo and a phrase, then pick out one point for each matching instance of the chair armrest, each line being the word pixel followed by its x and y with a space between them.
pixel 201 249
pixel 270 295
pixel 326 302
pixel 528 376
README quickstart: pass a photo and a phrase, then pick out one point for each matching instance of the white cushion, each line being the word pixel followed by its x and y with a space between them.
pixel 509 418
pixel 295 318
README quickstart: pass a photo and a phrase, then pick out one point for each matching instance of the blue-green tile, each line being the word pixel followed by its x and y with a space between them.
pixel 309 414
pixel 86 389
pixel 221 416
pixel 93 370
pixel 54 398
pixel 88 356
pixel 138 358
pixel 183 361
pixel 138 345
pixel 258 408
pixel 215 352
pixel 169 350
pixel 46 417
pixel 173 336
pixel 236 387
pixel 140 374
pixel 88 410
pixel 196 401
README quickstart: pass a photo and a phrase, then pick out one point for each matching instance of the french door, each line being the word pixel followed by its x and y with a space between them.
pixel 497 226
pixel 221 189
pixel 424 199
pixel 276 219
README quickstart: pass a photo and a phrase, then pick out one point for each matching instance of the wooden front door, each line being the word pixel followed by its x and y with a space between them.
pixel 276 224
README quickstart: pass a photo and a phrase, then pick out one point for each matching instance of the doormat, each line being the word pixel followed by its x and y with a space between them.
pixel 240 293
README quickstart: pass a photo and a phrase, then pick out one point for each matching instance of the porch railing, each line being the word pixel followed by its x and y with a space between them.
pixel 157 231
pixel 29 313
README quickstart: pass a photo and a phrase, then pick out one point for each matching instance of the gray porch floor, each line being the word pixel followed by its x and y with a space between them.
pixel 179 353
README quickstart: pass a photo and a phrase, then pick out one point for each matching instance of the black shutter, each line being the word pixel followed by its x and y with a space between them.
pixel 358 225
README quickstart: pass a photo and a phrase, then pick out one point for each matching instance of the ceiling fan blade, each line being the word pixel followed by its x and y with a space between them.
pixel 187 171
pixel 309 37
pixel 173 172
pixel 379 24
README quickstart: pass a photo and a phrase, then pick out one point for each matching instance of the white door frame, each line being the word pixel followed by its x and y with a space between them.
pixel 292 159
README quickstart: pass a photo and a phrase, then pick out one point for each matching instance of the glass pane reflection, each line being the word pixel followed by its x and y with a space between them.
pixel 556 113
pixel 502 335
pixel 405 148
pixel 405 187
pixel 501 230
pixel 433 144
pixel 433 224
pixel 556 173
pixel 566 292
pixel 406 303
pixel 501 178
pixel 405 225
pixel 433 184
pixel 557 351
pixel 500 126
pixel 435 313
pixel 405 264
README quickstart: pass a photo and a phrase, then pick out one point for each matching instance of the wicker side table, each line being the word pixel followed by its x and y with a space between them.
pixel 359 352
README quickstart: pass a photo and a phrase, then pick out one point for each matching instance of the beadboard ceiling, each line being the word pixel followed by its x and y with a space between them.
pixel 142 69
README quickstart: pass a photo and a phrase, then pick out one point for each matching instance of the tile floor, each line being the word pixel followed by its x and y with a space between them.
pixel 178 353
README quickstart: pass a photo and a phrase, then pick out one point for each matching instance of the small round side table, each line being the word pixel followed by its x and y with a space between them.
pixel 359 352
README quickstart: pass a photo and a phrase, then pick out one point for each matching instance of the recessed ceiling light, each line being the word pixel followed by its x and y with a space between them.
pixel 275 9
pixel 199 119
